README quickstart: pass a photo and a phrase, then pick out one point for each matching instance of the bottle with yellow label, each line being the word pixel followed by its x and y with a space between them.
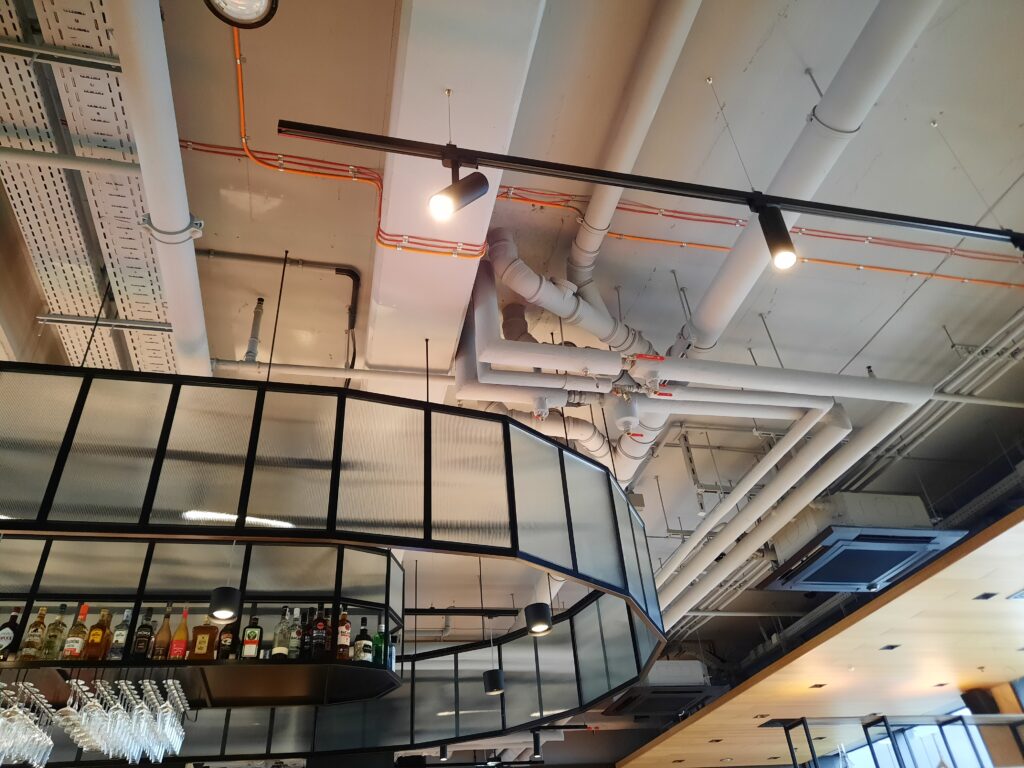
pixel 96 641
pixel 204 642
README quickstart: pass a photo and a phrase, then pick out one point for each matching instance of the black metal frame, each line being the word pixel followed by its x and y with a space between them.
pixel 148 530
pixel 792 725
pixel 753 200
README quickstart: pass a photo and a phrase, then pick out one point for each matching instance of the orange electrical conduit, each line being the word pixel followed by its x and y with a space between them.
pixel 319 169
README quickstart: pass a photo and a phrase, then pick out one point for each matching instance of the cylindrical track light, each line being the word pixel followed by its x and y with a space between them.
pixel 776 235
pixel 494 682
pixel 537 753
pixel 444 753
pixel 538 618
pixel 458 195
pixel 224 603
pixel 245 14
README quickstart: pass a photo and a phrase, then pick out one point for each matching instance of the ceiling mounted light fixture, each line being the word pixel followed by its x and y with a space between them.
pixel 458 194
pixel 245 14
pixel 224 603
pixel 538 754
pixel 538 618
pixel 443 756
pixel 776 235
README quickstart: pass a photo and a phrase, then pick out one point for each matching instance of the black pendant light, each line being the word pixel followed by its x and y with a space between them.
pixel 538 618
pixel 494 678
pixel 457 195
pixel 776 235
pixel 226 601
pixel 443 756
pixel 537 753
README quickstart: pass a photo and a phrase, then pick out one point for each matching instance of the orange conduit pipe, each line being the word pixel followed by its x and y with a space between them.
pixel 321 169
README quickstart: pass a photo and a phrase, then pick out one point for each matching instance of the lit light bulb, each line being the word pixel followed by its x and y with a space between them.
pixel 784 260
pixel 441 206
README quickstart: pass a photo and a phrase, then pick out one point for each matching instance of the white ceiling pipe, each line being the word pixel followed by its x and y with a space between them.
pixel 662 407
pixel 667 31
pixel 791 439
pixel 586 435
pixel 632 447
pixel 813 485
pixel 835 427
pixel 778 380
pixel 559 297
pixel 497 351
pixel 258 369
pixel 882 45
pixel 488 375
pixel 752 397
pixel 513 323
pixel 146 85
pixel 68 162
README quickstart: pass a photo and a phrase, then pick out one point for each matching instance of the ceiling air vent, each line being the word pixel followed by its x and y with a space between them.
pixel 858 559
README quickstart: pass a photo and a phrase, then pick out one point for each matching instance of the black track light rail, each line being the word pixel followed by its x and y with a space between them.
pixel 450 154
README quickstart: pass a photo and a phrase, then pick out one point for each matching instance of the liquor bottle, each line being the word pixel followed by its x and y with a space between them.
pixel 318 637
pixel 380 643
pixel 226 641
pixel 204 641
pixel 162 638
pixel 344 635
pixel 96 639
pixel 53 642
pixel 282 632
pixel 329 634
pixel 143 637
pixel 307 634
pixel 252 636
pixel 179 642
pixel 74 643
pixel 393 652
pixel 32 644
pixel 294 635
pixel 10 635
pixel 362 648
pixel 119 637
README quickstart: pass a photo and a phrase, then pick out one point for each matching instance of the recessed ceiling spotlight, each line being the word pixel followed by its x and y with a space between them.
pixel 245 14
pixel 985 596
pixel 761 717
pixel 889 647
pixel 714 741
pixel 819 685
pixel 775 757
pixel 776 235
pixel 941 685
pixel 819 738
pixel 726 760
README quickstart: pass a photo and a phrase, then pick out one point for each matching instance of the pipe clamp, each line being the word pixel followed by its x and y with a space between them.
pixel 192 231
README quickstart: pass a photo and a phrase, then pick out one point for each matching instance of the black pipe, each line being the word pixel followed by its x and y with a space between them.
pixel 753 200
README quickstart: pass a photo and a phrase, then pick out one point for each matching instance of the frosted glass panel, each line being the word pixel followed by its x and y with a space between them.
pixel 201 475
pixel 111 459
pixel 19 559
pixel 521 701
pixel 478 712
pixel 624 523
pixel 381 470
pixel 292 478
pixel 292 569
pixel 99 566
pixel 469 499
pixel 646 641
pixel 194 566
pixel 604 647
pixel 363 575
pixel 435 699
pixel 540 499
pixel 34 413
pixel 593 522
pixel 646 572
pixel 557 670
pixel 396 598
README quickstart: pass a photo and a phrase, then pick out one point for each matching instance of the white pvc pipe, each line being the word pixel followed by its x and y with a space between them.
pixel 835 427
pixel 69 162
pixel 632 447
pixel 146 84
pixel 586 435
pixel 814 484
pixel 497 351
pixel 661 407
pixel 667 31
pixel 778 380
pixel 559 297
pixel 796 433
pixel 882 45
pixel 245 368
pixel 751 397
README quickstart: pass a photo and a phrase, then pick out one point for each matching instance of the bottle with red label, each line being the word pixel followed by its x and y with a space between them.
pixel 179 641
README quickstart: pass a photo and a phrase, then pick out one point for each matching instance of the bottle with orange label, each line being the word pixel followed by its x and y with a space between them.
pixel 204 642
pixel 96 640
pixel 179 641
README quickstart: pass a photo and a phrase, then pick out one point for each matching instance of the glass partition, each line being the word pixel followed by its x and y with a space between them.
pixel 540 499
pixel 593 522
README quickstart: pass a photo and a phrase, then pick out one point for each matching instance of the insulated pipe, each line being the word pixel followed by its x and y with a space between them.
pixel 485 374
pixel 513 323
pixel 68 162
pixel 632 448
pixel 814 484
pixel 253 348
pixel 245 368
pixel 586 435
pixel 835 427
pixel 882 45
pixel 559 297
pixel 146 83
pixel 706 395
pixel 778 380
pixel 660 407
pixel 792 438
pixel 667 31
pixel 497 351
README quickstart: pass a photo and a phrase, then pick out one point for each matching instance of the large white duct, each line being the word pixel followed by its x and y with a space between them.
pixel 667 31
pixel 788 442
pixel 835 427
pixel 146 83
pixel 559 297
pixel 814 484
pixel 882 45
